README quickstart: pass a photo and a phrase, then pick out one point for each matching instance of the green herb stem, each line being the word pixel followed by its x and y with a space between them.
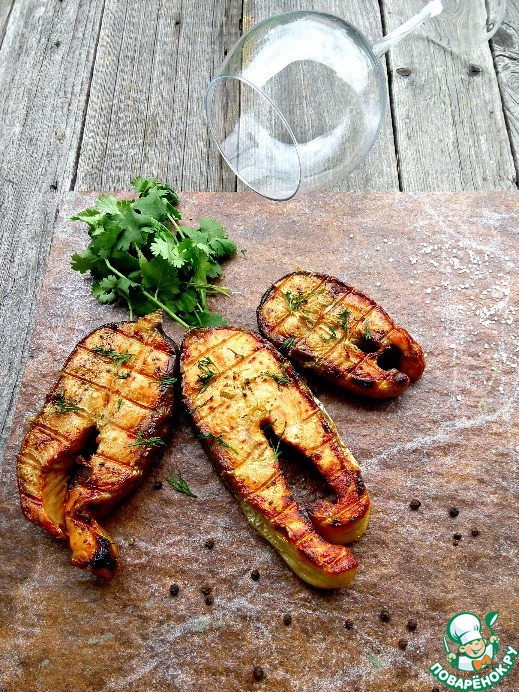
pixel 150 297
pixel 180 485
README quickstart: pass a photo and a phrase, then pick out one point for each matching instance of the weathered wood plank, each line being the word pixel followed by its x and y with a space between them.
pixel 506 55
pixel 450 128
pixel 5 11
pixel 45 70
pixel 145 113
pixel 379 171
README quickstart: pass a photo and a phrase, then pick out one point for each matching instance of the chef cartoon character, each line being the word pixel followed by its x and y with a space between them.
pixel 474 652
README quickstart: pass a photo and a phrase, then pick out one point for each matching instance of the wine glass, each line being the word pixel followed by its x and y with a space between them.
pixel 299 101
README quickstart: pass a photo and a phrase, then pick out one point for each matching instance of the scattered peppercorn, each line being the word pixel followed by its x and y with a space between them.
pixel 209 543
pixel 131 541
pixel 415 504
pixel 475 532
pixel 209 600
pixel 258 673
pixel 454 511
pixel 157 485
pixel 455 542
pixel 255 575
pixel 287 619
pixel 457 536
pixel 174 589
pixel 412 625
pixel 206 590
pixel 402 644
pixel 348 625
pixel 385 615
pixel 435 689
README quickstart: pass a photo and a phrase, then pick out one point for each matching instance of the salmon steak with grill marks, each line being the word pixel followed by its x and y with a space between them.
pixel 235 385
pixel 101 427
pixel 339 333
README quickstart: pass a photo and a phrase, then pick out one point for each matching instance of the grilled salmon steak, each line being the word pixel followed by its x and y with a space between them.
pixel 338 332
pixel 100 428
pixel 234 385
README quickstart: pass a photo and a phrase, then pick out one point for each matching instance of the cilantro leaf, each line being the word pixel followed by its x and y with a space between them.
pixel 138 253
pixel 107 204
pixel 83 262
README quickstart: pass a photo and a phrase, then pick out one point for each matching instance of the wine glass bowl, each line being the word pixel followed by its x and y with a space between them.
pixel 257 106
pixel 299 101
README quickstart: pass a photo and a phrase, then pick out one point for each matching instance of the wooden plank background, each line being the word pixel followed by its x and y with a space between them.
pixel 96 91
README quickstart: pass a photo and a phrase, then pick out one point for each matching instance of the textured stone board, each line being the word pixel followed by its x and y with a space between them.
pixel 445 267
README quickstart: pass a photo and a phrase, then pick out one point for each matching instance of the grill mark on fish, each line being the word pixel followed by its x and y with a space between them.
pixel 50 455
pixel 111 390
pixel 380 365
pixel 279 289
pixel 253 472
pixel 224 342
pixel 52 432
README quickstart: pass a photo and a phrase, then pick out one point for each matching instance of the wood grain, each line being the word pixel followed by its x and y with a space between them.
pixel 52 45
pixel 506 55
pixel 450 128
pixel 379 171
pixel 5 11
pixel 145 112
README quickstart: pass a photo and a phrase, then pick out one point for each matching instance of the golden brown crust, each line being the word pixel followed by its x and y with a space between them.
pixel 338 332
pixel 102 403
pixel 234 384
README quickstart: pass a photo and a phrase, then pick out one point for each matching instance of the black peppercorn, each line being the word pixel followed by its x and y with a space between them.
pixel 457 536
pixel 174 589
pixel 206 590
pixel 412 625
pixel 454 511
pixel 157 485
pixel 402 644
pixel 415 504
pixel 348 625
pixel 385 615
pixel 258 673
pixel 475 532
pixel 287 619
pixel 255 575
pixel 209 543
pixel 209 600
pixel 455 542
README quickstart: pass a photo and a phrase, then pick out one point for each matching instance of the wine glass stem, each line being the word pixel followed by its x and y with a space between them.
pixel 432 9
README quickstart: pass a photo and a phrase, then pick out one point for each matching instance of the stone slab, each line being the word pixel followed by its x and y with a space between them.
pixel 445 267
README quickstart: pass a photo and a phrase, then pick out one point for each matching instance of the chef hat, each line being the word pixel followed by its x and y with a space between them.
pixel 464 628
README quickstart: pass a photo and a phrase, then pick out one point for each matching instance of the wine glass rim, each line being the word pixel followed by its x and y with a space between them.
pixel 280 116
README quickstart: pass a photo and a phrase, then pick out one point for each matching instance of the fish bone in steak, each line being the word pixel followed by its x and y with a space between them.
pixel 234 384
pixel 339 333
pixel 86 449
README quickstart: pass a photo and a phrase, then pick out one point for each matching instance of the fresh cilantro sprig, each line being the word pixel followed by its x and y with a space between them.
pixel 139 253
